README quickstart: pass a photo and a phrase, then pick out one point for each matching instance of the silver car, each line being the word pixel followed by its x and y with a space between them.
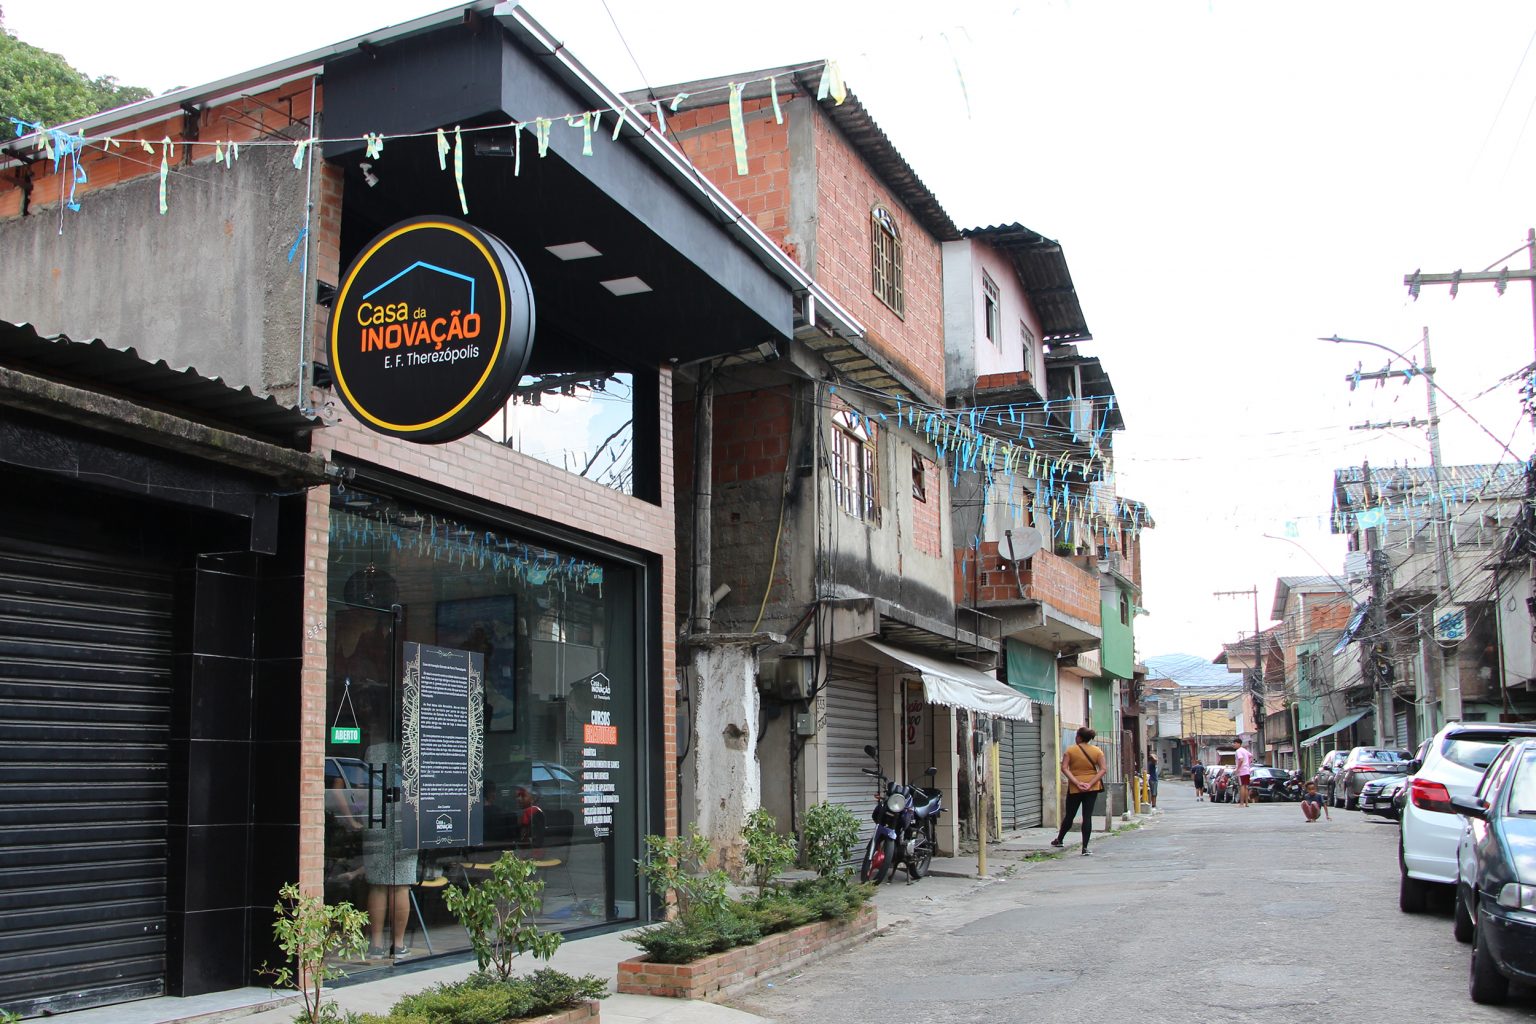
pixel 1379 796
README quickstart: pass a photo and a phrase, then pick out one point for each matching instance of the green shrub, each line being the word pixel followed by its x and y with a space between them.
pixel 833 897
pixel 767 852
pixel 498 912
pixel 831 832
pixel 486 999
pixel 308 931
pixel 702 932
pixel 676 867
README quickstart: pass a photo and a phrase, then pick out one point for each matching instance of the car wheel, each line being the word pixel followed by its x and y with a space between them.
pixel 1411 893
pixel 1333 800
pixel 1461 920
pixel 1351 804
pixel 1486 984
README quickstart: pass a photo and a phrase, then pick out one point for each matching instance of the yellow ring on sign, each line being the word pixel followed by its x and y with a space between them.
pixel 341 301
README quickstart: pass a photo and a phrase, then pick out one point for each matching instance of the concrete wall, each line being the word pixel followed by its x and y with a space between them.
pixel 207 284
pixel 960 370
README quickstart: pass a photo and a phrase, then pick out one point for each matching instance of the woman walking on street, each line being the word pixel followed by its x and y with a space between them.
pixel 1083 767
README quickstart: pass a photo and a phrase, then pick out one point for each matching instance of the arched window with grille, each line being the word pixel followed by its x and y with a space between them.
pixel 885 242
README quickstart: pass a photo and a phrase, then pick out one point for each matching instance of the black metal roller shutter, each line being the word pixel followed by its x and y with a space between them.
pixel 85 701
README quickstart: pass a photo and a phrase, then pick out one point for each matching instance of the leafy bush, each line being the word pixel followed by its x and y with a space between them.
pixel 675 867
pixel 687 938
pixel 717 929
pixel 497 913
pixel 484 998
pixel 831 832
pixel 308 931
pixel 767 852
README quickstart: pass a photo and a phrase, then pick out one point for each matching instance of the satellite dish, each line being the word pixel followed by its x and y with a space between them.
pixel 1026 542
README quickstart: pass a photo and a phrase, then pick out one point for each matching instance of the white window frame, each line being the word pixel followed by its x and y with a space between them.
pixel 991 310
pixel 855 475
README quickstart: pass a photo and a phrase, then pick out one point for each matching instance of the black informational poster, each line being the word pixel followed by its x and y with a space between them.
pixel 443 755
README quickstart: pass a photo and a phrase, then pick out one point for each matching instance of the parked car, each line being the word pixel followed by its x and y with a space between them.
pixel 1379 796
pixel 1453 766
pixel 1268 783
pixel 1363 764
pixel 1495 907
pixel 1326 771
pixel 1221 784
pixel 346 791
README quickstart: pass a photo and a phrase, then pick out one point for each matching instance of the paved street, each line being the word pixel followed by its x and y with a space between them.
pixel 1209 913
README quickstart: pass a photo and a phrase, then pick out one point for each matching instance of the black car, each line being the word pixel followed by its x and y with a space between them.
pixel 1266 783
pixel 1495 906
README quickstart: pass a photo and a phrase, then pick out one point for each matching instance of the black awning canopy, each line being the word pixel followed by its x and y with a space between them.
pixel 707 293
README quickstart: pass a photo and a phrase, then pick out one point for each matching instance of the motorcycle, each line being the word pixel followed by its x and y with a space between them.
pixel 906 818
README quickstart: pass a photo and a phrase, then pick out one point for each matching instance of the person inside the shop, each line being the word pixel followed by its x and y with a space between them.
pixel 530 821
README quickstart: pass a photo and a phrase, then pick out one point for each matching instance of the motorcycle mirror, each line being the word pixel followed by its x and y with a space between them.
pixel 871 751
pixel 931 771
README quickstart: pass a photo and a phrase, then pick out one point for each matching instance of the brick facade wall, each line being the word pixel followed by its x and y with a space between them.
pixel 1056 581
pixel 274 110
pixel 927 515
pixel 763 193
pixel 847 191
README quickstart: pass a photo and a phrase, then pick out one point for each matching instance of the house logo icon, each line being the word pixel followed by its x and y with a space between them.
pixel 444 823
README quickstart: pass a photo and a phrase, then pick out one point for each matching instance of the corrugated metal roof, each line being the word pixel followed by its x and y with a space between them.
pixel 851 118
pixel 1042 267
pixel 126 374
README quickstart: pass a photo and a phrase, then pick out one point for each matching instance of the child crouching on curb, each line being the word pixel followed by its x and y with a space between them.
pixel 1312 804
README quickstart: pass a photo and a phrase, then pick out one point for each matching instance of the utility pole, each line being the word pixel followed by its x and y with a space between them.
pixel 1379 650
pixel 1450 676
pixel 1260 712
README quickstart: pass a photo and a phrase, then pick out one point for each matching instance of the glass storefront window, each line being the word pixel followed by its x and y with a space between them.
pixel 582 423
pixel 531 722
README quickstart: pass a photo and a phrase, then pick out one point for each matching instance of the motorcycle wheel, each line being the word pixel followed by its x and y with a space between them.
pixel 871 861
pixel 885 861
pixel 919 868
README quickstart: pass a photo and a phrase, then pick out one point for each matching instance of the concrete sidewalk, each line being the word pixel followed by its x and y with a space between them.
pixel 899 904
pixel 1012 848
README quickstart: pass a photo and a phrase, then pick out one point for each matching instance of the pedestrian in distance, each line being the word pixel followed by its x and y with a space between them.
pixel 1198 771
pixel 1083 766
pixel 1243 762
pixel 1152 778
pixel 1313 804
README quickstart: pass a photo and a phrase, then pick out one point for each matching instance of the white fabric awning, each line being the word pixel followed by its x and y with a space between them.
pixel 960 686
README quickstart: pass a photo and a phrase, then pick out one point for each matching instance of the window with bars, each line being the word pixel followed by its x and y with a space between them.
pixel 993 306
pixel 853 467
pixel 886 259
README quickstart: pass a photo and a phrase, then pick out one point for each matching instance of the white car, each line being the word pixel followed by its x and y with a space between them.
pixel 1431 829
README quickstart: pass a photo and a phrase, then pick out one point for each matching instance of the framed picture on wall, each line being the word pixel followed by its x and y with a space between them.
pixel 487 626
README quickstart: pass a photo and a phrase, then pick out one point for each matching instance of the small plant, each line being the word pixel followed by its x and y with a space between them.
pixel 1040 855
pixel 768 852
pixel 484 999
pixel 497 914
pixel 7 1017
pixel 309 932
pixel 831 831
pixel 675 866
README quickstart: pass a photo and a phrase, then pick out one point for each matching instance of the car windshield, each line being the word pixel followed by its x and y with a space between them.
pixel 1477 750
pixel 1522 791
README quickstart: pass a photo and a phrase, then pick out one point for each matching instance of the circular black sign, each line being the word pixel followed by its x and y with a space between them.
pixel 431 330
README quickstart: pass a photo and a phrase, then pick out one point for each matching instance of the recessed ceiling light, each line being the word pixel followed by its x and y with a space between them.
pixel 626 286
pixel 572 251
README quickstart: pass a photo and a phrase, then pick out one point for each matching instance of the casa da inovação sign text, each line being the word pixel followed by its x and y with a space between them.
pixel 431 330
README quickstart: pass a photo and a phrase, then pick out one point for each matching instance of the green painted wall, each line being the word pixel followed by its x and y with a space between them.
pixel 1309 708
pixel 1118 652
pixel 1103 706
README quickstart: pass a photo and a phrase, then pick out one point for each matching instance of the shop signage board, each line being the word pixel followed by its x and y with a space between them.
pixel 443 747
pixel 431 330
pixel 346 735
pixel 599 767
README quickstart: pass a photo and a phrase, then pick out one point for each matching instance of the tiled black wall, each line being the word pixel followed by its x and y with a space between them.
pixel 234 759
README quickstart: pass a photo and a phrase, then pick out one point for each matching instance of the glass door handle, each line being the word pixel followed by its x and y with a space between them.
pixel 377 774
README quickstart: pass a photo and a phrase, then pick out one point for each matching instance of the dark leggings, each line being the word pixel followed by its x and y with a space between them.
pixel 1074 801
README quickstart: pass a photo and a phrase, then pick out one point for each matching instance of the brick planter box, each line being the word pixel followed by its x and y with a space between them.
pixel 718 976
pixel 586 1013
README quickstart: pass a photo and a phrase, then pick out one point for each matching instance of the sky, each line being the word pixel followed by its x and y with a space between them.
pixel 1230 180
